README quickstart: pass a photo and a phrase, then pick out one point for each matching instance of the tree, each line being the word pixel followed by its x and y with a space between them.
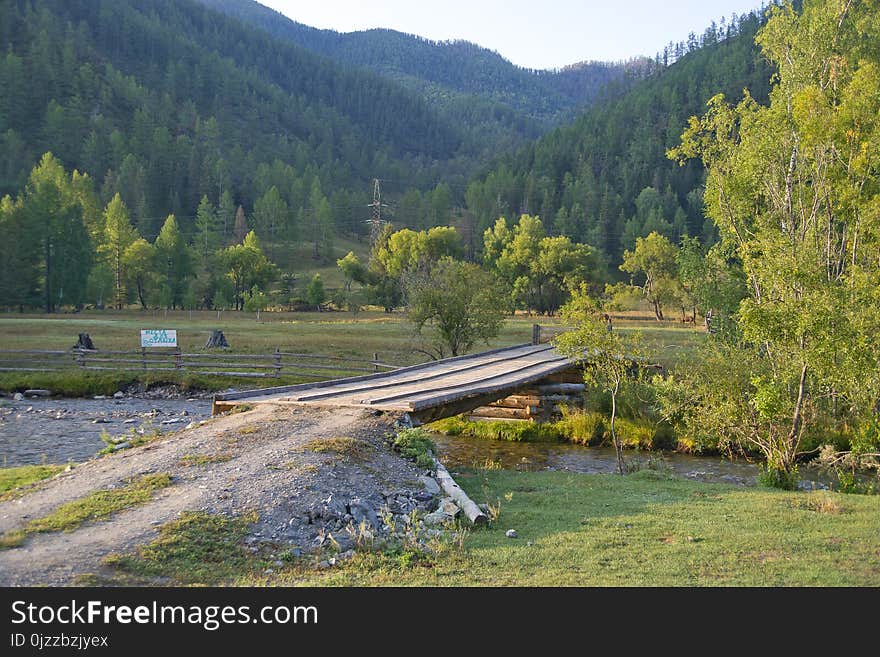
pixel 18 263
pixel 175 265
pixel 139 262
pixel 352 270
pixel 315 294
pixel 794 190
pixel 459 301
pixel 56 231
pixel 241 228
pixel 225 216
pixel 560 267
pixel 119 234
pixel 256 301
pixel 653 262
pixel 207 237
pixel 270 214
pixel 610 359
pixel 246 267
pixel 713 284
pixel 398 256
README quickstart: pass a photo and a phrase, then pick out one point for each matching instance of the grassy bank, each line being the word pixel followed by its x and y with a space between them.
pixel 94 506
pixel 639 530
pixel 23 475
pixel 645 529
pixel 581 428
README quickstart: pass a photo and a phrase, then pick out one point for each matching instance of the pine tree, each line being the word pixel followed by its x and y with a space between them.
pixel 119 234
pixel 206 229
pixel 175 262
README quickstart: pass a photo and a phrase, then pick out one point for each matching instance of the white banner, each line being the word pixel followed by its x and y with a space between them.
pixel 158 338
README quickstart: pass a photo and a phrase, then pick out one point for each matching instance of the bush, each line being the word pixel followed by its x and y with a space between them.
pixel 633 434
pixel 518 432
pixel 848 482
pixel 775 477
pixel 417 445
pixel 583 428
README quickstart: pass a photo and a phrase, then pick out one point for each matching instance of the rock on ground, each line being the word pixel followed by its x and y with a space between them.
pixel 273 460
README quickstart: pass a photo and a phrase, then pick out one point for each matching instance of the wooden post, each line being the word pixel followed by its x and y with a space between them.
pixel 144 358
pixel 178 359
pixel 375 360
pixel 276 361
pixel 536 334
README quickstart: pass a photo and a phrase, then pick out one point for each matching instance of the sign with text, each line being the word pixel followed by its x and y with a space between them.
pixel 158 338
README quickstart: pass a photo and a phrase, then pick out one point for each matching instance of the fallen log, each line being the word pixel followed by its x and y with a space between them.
pixel 466 504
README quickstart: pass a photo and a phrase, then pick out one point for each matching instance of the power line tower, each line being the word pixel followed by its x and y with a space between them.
pixel 375 221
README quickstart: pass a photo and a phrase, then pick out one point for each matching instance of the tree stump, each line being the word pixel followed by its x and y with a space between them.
pixel 217 339
pixel 84 342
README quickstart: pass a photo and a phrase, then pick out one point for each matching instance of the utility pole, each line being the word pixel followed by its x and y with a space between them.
pixel 375 219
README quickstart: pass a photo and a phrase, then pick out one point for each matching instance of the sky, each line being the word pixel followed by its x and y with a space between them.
pixel 531 33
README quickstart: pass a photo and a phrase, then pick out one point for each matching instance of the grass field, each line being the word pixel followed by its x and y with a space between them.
pixel 642 530
pixel 645 529
pixel 389 336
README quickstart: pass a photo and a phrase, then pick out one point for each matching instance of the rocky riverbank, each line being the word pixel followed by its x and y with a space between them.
pixel 314 481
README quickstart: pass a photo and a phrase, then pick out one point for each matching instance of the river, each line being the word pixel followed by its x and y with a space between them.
pixel 461 451
pixel 46 430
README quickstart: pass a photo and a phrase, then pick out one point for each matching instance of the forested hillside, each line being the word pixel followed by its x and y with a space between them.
pixel 452 71
pixel 605 179
pixel 497 105
pixel 198 160
pixel 164 101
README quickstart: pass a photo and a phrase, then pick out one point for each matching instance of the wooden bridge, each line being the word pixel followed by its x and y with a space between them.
pixel 429 391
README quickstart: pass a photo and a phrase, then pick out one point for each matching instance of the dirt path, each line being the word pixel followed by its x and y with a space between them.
pixel 272 460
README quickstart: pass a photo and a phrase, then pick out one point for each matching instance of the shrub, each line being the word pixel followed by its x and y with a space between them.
pixel 518 432
pixel 634 434
pixel 776 477
pixel 583 428
pixel 417 445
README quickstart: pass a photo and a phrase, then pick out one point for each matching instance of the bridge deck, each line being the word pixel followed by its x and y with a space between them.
pixel 422 387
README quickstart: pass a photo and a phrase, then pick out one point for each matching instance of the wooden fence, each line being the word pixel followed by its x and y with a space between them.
pixel 274 364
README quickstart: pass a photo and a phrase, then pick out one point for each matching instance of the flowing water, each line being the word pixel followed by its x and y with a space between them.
pixel 39 430
pixel 461 451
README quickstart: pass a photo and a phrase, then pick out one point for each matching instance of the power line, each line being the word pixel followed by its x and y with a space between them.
pixel 375 221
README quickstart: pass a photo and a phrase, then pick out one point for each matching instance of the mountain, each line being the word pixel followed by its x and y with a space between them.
pixel 605 179
pixel 475 85
pixel 166 101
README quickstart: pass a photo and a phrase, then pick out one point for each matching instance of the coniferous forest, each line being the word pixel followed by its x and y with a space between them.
pixel 231 118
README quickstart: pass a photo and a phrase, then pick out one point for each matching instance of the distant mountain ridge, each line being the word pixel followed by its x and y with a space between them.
pixel 448 71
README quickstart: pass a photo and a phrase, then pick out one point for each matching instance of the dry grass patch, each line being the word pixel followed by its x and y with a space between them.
pixel 340 445
pixel 821 503
pixel 204 459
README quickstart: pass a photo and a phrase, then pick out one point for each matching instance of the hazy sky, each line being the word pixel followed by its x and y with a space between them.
pixel 530 33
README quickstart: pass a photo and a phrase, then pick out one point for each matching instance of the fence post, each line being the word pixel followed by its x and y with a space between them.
pixel 81 358
pixel 144 358
pixel 178 359
pixel 536 334
pixel 276 361
pixel 375 362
